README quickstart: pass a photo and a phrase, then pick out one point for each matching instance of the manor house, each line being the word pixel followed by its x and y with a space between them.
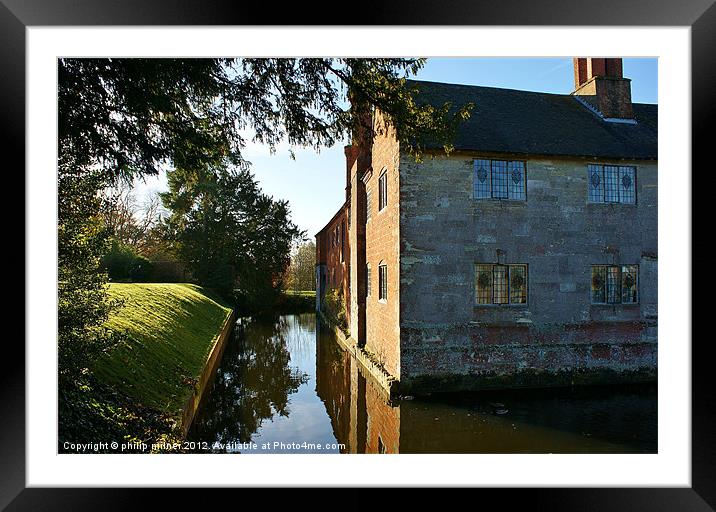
pixel 527 257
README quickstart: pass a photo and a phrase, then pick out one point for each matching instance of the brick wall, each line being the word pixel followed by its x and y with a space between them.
pixel 356 241
pixel 610 96
pixel 382 422
pixel 383 245
pixel 444 231
pixel 333 254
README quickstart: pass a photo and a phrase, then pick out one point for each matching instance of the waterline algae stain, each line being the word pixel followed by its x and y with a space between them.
pixel 285 385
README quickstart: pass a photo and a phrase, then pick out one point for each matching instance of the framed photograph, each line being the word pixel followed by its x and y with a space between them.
pixel 256 254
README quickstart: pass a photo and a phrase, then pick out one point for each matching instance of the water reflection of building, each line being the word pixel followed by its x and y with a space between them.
pixel 363 417
pixel 365 420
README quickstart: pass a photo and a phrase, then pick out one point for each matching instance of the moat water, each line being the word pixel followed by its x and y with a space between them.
pixel 285 385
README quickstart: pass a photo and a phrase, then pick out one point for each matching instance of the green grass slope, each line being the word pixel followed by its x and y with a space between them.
pixel 171 329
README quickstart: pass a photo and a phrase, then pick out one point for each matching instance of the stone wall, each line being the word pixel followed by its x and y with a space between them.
pixel 445 231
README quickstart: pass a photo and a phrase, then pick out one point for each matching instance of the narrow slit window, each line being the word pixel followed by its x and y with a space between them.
pixel 383 282
pixel 343 241
pixel 367 280
pixel 382 190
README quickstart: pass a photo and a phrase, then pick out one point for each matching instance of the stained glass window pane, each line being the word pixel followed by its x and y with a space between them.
pixel 595 183
pixel 516 180
pixel 627 183
pixel 500 284
pixel 612 185
pixel 599 282
pixel 499 179
pixel 481 179
pixel 630 276
pixel 518 284
pixel 483 284
pixel 613 285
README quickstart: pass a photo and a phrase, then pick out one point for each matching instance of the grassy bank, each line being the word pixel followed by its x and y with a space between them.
pixel 170 328
pixel 138 390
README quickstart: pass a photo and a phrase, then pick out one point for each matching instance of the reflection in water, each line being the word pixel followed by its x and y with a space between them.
pixel 253 382
pixel 289 381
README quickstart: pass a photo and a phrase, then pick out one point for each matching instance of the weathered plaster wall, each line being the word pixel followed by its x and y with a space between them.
pixel 444 231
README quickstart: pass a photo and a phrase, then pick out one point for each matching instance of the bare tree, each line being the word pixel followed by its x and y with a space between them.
pixel 130 222
pixel 301 272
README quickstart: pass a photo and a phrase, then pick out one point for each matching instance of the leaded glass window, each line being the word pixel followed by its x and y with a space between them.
pixel 630 275
pixel 628 185
pixel 483 285
pixel 611 184
pixel 596 183
pixel 599 283
pixel 516 180
pixel 615 284
pixel 482 181
pixel 500 284
pixel 499 179
pixel 518 284
pixel 500 287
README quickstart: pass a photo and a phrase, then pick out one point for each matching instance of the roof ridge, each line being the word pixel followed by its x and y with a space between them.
pixel 473 86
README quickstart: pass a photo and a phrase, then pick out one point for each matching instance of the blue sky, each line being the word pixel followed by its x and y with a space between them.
pixel 314 183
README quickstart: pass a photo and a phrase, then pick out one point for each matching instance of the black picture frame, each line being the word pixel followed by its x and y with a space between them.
pixel 700 15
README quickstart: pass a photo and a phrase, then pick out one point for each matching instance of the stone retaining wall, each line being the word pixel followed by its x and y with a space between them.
pixel 203 386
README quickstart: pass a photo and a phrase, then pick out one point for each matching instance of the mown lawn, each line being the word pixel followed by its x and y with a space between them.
pixel 302 293
pixel 171 328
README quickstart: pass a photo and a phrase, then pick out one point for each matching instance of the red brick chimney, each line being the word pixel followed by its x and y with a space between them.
pixel 599 82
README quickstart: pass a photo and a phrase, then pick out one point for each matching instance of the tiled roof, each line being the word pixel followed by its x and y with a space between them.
pixel 522 122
